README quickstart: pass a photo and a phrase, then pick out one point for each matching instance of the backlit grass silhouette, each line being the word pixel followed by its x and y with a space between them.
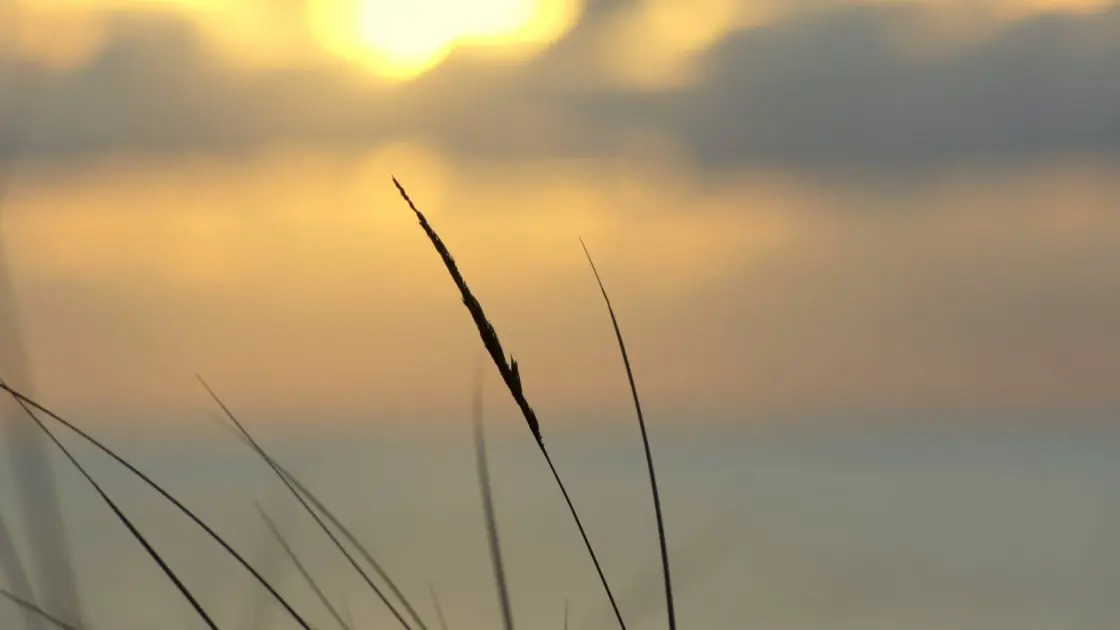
pixel 372 573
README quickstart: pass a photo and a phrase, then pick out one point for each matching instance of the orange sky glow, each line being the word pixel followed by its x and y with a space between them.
pixel 288 270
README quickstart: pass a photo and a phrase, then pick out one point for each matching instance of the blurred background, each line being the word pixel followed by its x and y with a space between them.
pixel 866 254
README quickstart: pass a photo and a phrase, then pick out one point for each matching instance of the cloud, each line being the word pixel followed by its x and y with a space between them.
pixel 835 90
pixel 820 89
pixel 998 289
pixel 242 216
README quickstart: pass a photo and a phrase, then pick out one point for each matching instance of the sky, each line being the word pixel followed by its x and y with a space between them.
pixel 804 207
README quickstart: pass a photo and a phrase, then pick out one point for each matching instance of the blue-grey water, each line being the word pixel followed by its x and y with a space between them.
pixel 950 528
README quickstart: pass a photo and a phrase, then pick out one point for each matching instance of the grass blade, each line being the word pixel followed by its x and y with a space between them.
pixel 26 402
pixel 669 604
pixel 488 510
pixel 257 610
pixel 122 518
pixel 699 554
pixel 302 570
pixel 32 609
pixel 439 609
pixel 512 378
pixel 287 476
pixel 302 495
pixel 507 369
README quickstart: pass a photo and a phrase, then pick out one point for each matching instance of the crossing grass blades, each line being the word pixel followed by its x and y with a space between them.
pixel 358 555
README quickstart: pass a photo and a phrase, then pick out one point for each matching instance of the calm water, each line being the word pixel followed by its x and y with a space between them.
pixel 954 529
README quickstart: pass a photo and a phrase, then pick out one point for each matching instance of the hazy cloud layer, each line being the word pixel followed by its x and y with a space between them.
pixel 821 89
pixel 844 208
pixel 302 281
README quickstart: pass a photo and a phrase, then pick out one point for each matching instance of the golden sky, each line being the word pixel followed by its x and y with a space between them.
pixel 800 206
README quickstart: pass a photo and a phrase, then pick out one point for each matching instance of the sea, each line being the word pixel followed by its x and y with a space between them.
pixel 908 525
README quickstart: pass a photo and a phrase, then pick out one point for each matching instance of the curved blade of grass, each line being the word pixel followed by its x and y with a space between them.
pixel 357 544
pixel 25 402
pixel 702 551
pixel 32 609
pixel 285 474
pixel 512 378
pixel 565 614
pixel 300 493
pixel 436 605
pixel 195 604
pixel 302 570
pixel 12 567
pixel 669 603
pixel 258 611
pixel 238 430
pixel 488 510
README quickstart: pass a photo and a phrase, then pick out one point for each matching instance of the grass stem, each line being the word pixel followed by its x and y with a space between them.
pixel 512 378
pixel 669 603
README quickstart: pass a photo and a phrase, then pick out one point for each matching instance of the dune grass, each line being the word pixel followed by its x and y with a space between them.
pixel 437 606
pixel 512 377
pixel 664 547
pixel 304 573
pixel 112 505
pixel 35 611
pixel 390 595
pixel 492 537
pixel 305 498
pixel 31 407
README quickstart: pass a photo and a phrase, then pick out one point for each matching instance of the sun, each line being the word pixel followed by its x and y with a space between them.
pixel 402 39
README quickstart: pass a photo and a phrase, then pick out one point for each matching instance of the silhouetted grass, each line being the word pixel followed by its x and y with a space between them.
pixel 512 378
pixel 257 613
pixel 35 615
pixel 303 495
pixel 35 611
pixel 492 537
pixel 437 606
pixel 30 405
pixel 669 604
pixel 171 575
pixel 304 573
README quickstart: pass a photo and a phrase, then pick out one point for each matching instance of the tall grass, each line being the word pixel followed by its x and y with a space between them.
pixel 31 407
pixel 438 607
pixel 512 377
pixel 354 551
pixel 304 573
pixel 36 613
pixel 670 609
pixel 127 522
pixel 303 496
pixel 492 537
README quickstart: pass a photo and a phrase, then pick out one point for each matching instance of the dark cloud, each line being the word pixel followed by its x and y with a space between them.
pixel 824 89
pixel 834 90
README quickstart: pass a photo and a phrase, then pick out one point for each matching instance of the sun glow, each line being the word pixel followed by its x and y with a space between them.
pixel 401 39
